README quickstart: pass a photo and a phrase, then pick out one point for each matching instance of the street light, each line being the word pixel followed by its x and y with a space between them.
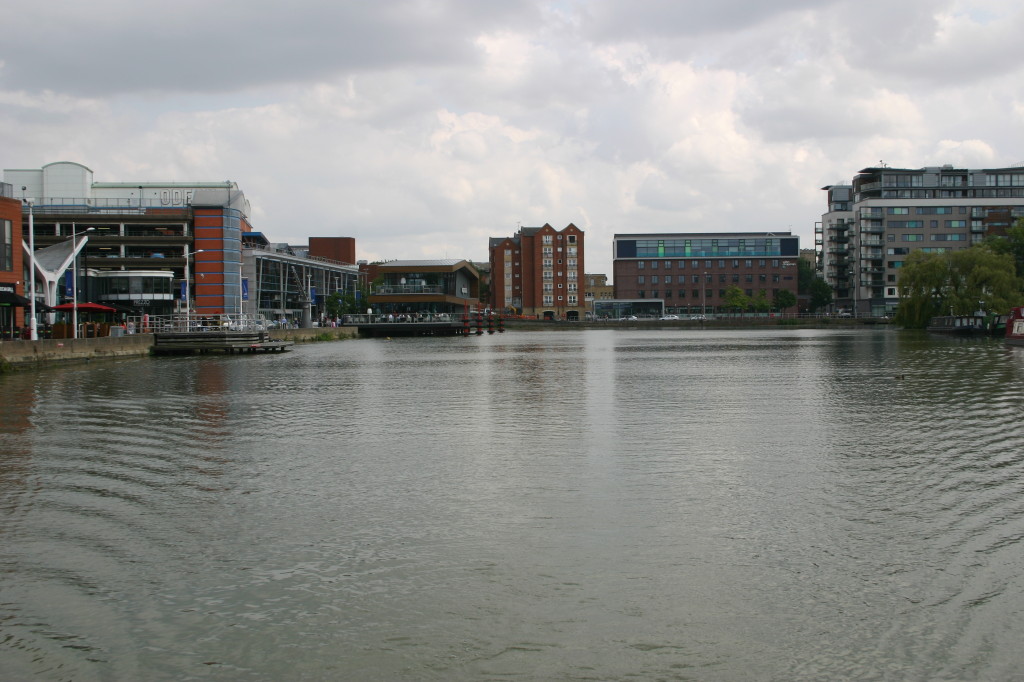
pixel 74 276
pixel 704 295
pixel 33 331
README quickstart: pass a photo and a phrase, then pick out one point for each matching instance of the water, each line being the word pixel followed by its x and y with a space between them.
pixel 643 505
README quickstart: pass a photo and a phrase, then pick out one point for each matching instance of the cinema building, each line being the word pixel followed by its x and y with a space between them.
pixel 161 248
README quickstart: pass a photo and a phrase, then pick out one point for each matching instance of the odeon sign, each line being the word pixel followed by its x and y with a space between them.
pixel 175 197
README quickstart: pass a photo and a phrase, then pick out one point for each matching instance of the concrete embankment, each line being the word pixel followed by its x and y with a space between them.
pixel 31 354
pixel 27 354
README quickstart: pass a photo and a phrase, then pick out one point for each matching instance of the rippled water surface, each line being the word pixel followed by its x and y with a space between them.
pixel 644 505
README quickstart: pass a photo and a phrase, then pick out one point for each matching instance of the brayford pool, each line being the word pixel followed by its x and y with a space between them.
pixel 603 505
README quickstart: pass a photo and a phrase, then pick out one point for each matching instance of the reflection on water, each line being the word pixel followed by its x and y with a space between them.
pixel 591 505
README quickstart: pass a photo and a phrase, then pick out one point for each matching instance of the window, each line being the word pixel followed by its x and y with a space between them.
pixel 894 210
pixel 654 265
pixel 640 265
pixel 654 279
pixel 546 239
pixel 956 223
pixel 668 265
pixel 640 280
pixel 912 237
pixel 6 245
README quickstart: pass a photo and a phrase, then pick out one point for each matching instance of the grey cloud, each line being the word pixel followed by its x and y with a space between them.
pixel 193 46
pixel 612 21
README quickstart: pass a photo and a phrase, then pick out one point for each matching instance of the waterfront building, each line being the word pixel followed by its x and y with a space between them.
pixel 872 224
pixel 692 272
pixel 160 248
pixel 424 287
pixel 539 272
pixel 596 288
pixel 12 272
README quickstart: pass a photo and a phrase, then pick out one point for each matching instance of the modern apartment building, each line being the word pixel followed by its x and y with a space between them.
pixel 872 224
pixel 539 271
pixel 691 272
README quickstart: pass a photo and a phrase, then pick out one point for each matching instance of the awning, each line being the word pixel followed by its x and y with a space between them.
pixel 85 308
pixel 11 298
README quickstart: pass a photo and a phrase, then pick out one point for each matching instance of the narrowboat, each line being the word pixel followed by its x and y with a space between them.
pixel 1015 327
pixel 957 324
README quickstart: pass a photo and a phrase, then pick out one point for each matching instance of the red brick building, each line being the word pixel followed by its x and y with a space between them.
pixel 539 272
pixel 12 269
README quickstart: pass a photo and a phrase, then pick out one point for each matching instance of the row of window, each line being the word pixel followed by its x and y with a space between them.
pixel 697 264
pixel 695 279
pixel 956 237
pixel 550 300
pixel 1001 193
pixel 991 180
pixel 953 224
pixel 660 248
pixel 695 293
pixel 549 238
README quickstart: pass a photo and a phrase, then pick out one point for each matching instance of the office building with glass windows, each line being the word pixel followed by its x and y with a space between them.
pixel 693 272
pixel 872 224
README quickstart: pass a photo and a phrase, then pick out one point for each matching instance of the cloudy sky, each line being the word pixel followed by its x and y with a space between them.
pixel 424 127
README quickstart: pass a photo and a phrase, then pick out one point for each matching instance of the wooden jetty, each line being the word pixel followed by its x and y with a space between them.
pixel 225 341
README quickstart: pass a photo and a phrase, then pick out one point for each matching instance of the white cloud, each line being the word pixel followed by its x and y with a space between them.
pixel 421 128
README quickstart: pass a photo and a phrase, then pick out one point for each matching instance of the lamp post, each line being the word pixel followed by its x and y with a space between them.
pixel 74 276
pixel 704 295
pixel 33 331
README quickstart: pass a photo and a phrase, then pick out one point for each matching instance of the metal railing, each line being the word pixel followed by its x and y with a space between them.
pixel 194 322
pixel 394 318
pixel 385 289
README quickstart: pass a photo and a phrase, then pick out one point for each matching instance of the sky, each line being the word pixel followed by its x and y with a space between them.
pixel 422 128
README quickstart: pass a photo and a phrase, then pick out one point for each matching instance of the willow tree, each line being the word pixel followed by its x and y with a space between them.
pixel 958 282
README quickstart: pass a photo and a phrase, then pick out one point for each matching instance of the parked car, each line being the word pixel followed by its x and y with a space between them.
pixel 844 313
pixel 628 318
pixel 698 318
pixel 670 317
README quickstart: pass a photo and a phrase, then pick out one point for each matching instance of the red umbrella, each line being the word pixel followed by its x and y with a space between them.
pixel 85 308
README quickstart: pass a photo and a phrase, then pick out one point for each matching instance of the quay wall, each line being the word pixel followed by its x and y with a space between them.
pixel 30 354
pixel 26 354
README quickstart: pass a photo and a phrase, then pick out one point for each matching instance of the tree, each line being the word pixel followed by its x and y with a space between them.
pixel 784 298
pixel 957 283
pixel 809 283
pixel 736 299
pixel 1012 244
pixel 821 294
pixel 760 303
